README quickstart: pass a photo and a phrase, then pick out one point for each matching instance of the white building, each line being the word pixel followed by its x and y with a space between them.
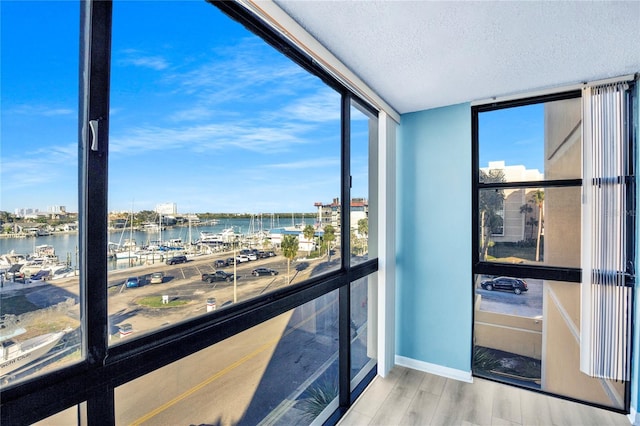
pixel 167 208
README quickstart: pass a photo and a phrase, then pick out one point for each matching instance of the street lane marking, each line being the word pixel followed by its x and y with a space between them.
pixel 227 369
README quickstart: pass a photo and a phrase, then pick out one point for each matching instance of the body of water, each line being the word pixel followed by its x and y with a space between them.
pixel 66 245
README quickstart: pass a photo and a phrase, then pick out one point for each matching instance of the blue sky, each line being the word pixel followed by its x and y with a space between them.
pixel 513 135
pixel 202 113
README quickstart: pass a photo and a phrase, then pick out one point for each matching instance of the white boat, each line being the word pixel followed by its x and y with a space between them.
pixel 63 271
pixel 127 250
pixel 227 236
pixel 15 355
pixel 126 254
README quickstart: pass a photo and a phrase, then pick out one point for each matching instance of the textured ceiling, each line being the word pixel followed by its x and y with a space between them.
pixel 423 54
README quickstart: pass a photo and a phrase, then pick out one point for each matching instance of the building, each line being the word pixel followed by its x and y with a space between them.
pixel 518 217
pixel 432 68
pixel 167 208
pixel 24 212
pixel 329 214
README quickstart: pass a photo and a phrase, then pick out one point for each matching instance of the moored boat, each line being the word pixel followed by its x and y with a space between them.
pixel 15 355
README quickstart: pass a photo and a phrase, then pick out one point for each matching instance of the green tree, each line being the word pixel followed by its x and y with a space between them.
pixel 537 198
pixel 328 238
pixel 309 232
pixel 289 250
pixel 363 230
pixel 363 226
pixel 6 217
pixel 148 216
pixel 490 203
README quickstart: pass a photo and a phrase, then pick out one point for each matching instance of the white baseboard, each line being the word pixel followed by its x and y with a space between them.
pixel 438 370
pixel 634 417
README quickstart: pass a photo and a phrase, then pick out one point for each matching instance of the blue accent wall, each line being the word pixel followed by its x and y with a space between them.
pixel 434 283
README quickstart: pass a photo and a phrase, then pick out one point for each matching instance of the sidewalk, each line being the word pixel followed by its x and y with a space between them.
pixel 8 286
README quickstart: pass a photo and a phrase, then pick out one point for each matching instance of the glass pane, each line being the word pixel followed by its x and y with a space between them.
pixel 220 148
pixel 364 132
pixel 532 339
pixel 39 285
pixel 283 371
pixel 363 328
pixel 75 415
pixel 529 143
pixel 512 231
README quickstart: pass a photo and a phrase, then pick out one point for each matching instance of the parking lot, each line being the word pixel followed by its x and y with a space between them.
pixel 528 304
pixel 184 282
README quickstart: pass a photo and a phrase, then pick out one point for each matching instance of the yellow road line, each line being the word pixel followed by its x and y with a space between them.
pixel 224 371
pixel 201 385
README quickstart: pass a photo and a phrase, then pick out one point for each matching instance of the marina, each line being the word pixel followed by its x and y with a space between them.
pixel 128 247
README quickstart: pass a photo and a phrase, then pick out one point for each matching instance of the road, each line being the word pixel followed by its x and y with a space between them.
pixel 262 372
pixel 528 304
pixel 242 379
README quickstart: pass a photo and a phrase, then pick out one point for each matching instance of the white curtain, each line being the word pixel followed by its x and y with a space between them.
pixel 605 298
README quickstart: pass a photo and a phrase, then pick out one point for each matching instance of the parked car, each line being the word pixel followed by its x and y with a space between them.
pixel 262 254
pixel 221 263
pixel 157 278
pixel 132 282
pixel 242 258
pixel 252 256
pixel 271 253
pixel 217 276
pixel 263 271
pixel 516 285
pixel 176 259
pixel 231 261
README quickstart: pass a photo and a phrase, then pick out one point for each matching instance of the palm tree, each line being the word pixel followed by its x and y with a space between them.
pixel 490 203
pixel 363 230
pixel 309 232
pixel 538 199
pixel 289 250
pixel 329 237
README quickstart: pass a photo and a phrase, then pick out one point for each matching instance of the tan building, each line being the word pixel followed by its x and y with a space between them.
pixel 518 223
pixel 561 301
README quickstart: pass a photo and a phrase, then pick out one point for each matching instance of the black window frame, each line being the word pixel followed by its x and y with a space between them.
pixel 557 273
pixel 553 273
pixel 90 383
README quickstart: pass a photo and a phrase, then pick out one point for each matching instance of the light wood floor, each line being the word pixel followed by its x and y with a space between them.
pixel 410 397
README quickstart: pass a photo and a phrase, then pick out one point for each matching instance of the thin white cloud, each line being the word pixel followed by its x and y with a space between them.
pixel 139 59
pixel 314 163
pixel 39 168
pixel 58 111
pixel 200 138
pixel 197 113
pixel 322 106
pixel 40 110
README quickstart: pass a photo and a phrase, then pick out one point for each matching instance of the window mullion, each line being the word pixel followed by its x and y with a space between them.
pixel 94 106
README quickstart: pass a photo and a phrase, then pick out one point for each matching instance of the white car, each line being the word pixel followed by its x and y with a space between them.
pixel 242 258
pixel 252 256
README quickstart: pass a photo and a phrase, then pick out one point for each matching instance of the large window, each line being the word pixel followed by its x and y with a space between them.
pixel 528 247
pixel 220 147
pixel 40 304
pixel 213 207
